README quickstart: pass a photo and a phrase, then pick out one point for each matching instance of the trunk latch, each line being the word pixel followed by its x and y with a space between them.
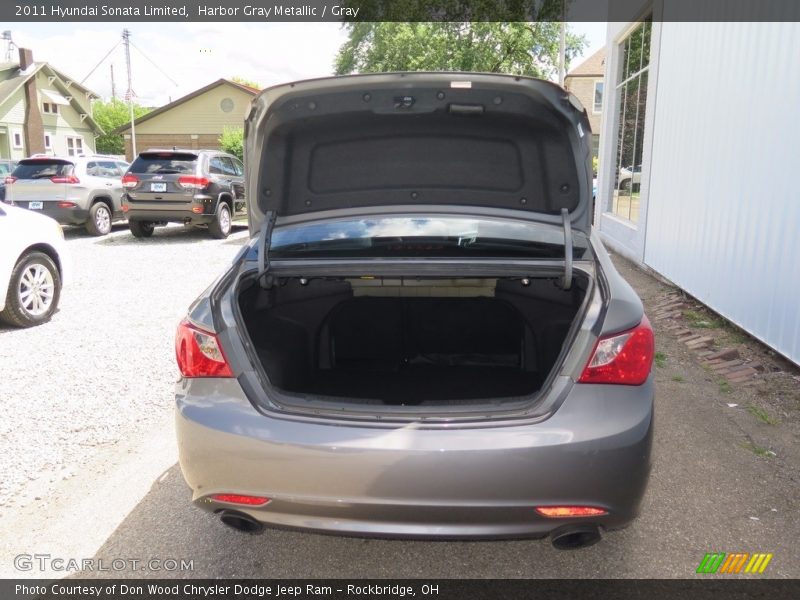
pixel 567 282
pixel 265 278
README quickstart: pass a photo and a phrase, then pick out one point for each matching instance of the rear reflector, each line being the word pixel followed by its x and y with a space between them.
pixel 10 179
pixel 125 208
pixel 623 358
pixel 197 209
pixel 570 511
pixel 241 499
pixel 65 179
pixel 198 353
pixel 65 204
pixel 192 182
pixel 129 181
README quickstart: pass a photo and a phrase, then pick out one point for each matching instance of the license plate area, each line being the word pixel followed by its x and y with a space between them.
pixel 158 187
pixel 35 205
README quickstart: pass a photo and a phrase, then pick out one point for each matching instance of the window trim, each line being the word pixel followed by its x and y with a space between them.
pixel 18 145
pixel 595 110
pixel 75 151
pixel 48 140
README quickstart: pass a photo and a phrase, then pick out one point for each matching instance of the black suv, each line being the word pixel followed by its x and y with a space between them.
pixel 194 187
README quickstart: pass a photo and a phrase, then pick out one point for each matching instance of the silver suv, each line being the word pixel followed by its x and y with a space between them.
pixel 76 190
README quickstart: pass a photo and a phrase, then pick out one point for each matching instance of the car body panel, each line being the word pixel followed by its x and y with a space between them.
pixel 413 480
pixel 19 231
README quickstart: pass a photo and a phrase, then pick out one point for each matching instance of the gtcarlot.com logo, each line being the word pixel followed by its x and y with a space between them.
pixel 733 563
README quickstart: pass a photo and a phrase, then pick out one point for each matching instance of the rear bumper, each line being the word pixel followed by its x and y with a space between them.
pixel 406 481
pixel 172 212
pixel 66 216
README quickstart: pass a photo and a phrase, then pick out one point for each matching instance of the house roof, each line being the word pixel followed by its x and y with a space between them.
pixel 594 66
pixel 154 113
pixel 16 78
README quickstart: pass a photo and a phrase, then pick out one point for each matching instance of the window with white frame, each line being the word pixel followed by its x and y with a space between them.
pixel 17 138
pixel 74 146
pixel 48 142
pixel 631 101
pixel 50 107
pixel 598 97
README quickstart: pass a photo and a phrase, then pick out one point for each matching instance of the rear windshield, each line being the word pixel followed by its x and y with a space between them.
pixel 437 236
pixel 42 169
pixel 164 163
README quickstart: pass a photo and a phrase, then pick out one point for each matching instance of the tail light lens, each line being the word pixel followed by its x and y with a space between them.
pixel 192 182
pixel 570 511
pixel 10 179
pixel 65 179
pixel 66 204
pixel 129 181
pixel 623 358
pixel 199 353
pixel 241 499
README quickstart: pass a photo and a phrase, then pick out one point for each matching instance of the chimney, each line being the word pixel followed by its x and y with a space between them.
pixel 25 58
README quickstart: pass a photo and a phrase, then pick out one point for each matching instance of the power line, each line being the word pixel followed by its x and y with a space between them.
pixel 154 64
pixel 101 62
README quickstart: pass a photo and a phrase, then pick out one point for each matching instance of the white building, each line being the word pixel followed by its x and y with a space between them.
pixel 699 165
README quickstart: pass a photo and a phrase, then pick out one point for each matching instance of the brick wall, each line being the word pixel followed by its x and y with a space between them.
pixel 583 88
pixel 168 140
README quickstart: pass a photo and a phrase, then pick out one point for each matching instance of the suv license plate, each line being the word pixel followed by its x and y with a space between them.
pixel 35 205
pixel 158 187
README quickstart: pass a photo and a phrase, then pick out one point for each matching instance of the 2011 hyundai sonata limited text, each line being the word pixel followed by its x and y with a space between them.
pixel 423 337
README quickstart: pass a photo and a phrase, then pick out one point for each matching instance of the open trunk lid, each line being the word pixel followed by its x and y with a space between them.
pixel 506 144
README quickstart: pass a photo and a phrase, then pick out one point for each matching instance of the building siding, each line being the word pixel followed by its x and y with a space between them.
pixel 723 214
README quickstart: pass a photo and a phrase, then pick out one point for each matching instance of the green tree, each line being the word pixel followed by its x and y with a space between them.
pixel 245 81
pixel 519 48
pixel 232 141
pixel 110 115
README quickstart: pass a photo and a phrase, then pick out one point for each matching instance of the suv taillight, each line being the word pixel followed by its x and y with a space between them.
pixel 10 179
pixel 192 182
pixel 199 353
pixel 65 179
pixel 623 358
pixel 129 181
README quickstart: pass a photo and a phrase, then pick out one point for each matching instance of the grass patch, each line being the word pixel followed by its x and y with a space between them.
pixel 757 450
pixel 725 387
pixel 677 378
pixel 660 360
pixel 700 321
pixel 762 415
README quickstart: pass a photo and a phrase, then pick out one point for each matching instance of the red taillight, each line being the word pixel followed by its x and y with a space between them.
pixel 10 179
pixel 192 182
pixel 65 204
pixel 199 353
pixel 240 499
pixel 623 358
pixel 65 179
pixel 570 511
pixel 129 181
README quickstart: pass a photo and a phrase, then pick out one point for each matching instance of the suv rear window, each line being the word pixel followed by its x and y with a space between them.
pixel 42 169
pixel 164 162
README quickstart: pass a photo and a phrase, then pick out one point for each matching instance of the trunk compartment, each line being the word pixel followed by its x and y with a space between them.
pixel 410 341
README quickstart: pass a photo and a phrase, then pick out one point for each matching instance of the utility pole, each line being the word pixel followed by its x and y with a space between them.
pixel 126 39
pixel 113 87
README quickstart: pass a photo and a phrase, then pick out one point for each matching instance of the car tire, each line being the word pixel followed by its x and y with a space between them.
pixel 220 227
pixel 99 222
pixel 33 291
pixel 141 229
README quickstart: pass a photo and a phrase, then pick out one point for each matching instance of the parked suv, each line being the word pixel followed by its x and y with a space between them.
pixel 194 187
pixel 424 337
pixel 76 190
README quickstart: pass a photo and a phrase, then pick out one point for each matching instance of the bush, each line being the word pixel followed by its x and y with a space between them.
pixel 232 141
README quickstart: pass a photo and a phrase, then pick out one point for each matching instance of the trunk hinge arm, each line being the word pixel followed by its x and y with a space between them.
pixel 265 278
pixel 567 282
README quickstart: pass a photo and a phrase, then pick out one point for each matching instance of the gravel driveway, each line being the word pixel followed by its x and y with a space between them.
pixel 102 370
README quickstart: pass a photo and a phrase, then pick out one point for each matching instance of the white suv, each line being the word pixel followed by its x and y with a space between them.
pixel 77 190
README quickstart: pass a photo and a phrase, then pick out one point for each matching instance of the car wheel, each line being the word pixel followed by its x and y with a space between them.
pixel 33 291
pixel 99 222
pixel 220 227
pixel 141 229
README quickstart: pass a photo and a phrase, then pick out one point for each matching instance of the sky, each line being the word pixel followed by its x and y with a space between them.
pixel 192 55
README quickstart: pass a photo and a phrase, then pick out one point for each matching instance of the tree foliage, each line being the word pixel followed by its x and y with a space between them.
pixel 111 115
pixel 232 141
pixel 519 48
pixel 245 81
